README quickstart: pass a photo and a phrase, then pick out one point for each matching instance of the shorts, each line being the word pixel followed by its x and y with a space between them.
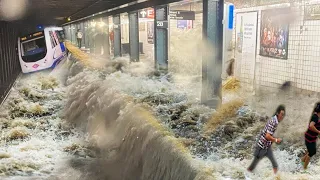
pixel 312 148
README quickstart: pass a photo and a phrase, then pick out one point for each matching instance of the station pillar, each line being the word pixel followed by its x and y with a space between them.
pixel 212 55
pixel 117 36
pixel 134 36
pixel 161 37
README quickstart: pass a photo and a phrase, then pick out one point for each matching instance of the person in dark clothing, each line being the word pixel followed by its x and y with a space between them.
pixel 79 37
pixel 311 136
pixel 263 147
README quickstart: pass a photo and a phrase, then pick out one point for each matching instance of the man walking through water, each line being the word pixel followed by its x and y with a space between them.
pixel 263 147
pixel 79 38
pixel 311 136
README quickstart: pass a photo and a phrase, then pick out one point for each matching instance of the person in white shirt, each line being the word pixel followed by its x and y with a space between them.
pixel 79 38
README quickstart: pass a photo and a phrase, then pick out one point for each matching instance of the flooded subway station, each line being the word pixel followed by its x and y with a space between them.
pixel 155 90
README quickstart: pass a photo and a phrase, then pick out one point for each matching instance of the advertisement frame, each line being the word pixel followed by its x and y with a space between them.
pixel 257 30
pixel 282 11
pixel 256 43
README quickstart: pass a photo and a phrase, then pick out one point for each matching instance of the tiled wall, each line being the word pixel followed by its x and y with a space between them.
pixel 303 64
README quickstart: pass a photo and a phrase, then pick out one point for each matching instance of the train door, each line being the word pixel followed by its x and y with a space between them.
pixel 54 44
pixel 58 47
pixel 61 37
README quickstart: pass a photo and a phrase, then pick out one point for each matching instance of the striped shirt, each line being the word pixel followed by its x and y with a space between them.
pixel 311 136
pixel 270 128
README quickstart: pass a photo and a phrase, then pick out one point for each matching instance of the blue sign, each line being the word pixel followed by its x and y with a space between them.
pixel 230 19
pixel 182 24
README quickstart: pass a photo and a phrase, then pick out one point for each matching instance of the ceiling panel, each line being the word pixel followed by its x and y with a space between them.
pixel 57 11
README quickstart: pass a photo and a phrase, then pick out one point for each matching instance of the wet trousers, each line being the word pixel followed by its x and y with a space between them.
pixel 260 153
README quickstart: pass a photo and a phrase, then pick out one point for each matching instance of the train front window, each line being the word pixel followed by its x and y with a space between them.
pixel 33 49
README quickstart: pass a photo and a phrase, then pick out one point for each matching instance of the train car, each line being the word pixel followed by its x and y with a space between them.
pixel 41 50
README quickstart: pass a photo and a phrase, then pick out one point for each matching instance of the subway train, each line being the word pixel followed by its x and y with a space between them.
pixel 41 50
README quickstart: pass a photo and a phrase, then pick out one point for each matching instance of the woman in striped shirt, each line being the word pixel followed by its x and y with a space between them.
pixel 311 136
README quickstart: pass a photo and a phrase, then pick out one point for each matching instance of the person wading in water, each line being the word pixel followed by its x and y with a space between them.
pixel 311 136
pixel 263 147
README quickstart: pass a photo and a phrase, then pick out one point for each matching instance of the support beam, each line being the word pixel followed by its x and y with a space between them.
pixel 117 36
pixel 86 34
pixel 212 56
pixel 91 30
pixel 106 43
pixel 83 34
pixel 70 32
pixel 73 34
pixel 65 30
pixel 134 36
pixel 161 37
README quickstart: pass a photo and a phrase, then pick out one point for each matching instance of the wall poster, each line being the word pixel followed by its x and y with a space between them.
pixel 274 34
pixel 246 44
pixel 184 24
pixel 150 32
pixel 312 12
pixel 142 26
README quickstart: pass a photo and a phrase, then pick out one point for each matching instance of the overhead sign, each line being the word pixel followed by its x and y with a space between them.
pixel 147 13
pixel 182 15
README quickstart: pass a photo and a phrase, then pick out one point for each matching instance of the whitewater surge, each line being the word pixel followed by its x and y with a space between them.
pixel 126 132
pixel 127 121
pixel 34 138
pixel 96 101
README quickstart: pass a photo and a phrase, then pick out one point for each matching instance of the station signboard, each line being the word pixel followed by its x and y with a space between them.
pixel 182 15
pixel 147 13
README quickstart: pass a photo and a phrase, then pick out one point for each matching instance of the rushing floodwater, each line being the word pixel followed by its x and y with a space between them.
pixel 40 144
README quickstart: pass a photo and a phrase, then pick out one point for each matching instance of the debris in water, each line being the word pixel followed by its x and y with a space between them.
pixel 227 110
pixel 23 122
pixel 4 123
pixel 48 83
pixel 72 148
pixel 38 110
pixel 4 155
pixel 232 84
pixel 285 86
pixel 28 148
pixel 17 168
pixel 18 133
